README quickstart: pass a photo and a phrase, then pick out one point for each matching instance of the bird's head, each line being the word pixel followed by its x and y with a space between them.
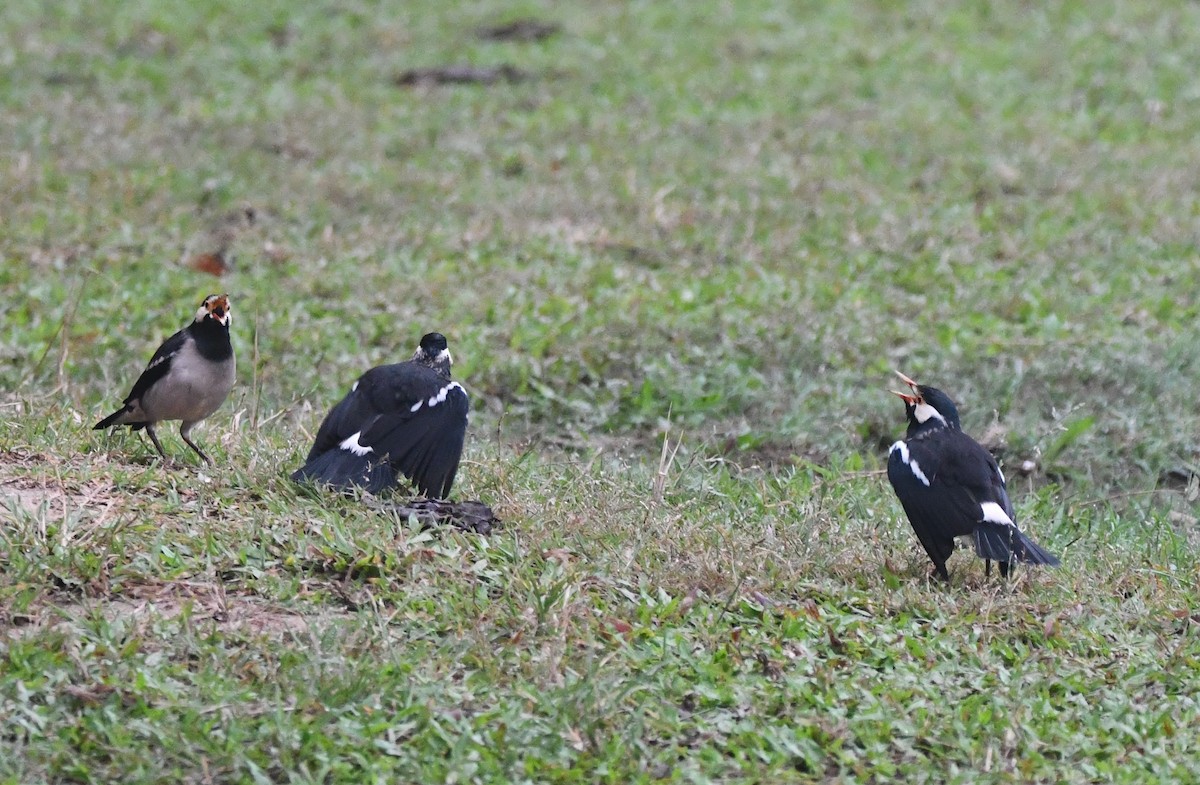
pixel 434 352
pixel 215 307
pixel 927 407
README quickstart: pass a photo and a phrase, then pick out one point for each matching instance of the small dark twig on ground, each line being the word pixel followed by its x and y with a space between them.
pixel 462 74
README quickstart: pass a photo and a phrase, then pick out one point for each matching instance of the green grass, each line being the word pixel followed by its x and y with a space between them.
pixel 718 226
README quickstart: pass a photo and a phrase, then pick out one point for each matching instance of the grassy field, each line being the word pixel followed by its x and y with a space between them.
pixel 677 250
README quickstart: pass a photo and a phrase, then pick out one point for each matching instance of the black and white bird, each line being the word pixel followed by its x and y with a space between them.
pixel 409 418
pixel 188 378
pixel 950 486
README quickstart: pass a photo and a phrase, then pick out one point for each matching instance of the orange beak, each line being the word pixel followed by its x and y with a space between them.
pixel 910 398
pixel 906 380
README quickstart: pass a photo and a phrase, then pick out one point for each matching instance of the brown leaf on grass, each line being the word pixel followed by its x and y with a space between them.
pixel 215 242
pixel 560 555
pixel 835 642
pixel 687 602
pixel 761 599
pixel 212 263
pixel 770 668
pixel 1186 615
pixel 574 739
pixel 620 626
pixel 90 695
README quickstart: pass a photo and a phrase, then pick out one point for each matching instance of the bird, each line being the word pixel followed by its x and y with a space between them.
pixel 407 418
pixel 951 486
pixel 187 379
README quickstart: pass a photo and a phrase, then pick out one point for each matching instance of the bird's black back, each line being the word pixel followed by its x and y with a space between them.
pixel 407 413
pixel 962 476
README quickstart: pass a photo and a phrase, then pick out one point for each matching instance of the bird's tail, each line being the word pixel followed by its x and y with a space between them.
pixel 112 419
pixel 344 469
pixel 1005 543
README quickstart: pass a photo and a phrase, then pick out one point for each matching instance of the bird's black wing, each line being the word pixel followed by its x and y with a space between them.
pixel 158 366
pixel 155 370
pixel 405 413
pixel 913 470
pixel 994 539
pixel 971 477
pixel 427 446
pixel 982 496
pixel 350 415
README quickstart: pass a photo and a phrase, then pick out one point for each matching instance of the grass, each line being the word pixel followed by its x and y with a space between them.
pixel 676 266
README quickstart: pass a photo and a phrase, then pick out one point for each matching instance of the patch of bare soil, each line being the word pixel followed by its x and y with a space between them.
pixel 30 495
pixel 44 500
pixel 206 603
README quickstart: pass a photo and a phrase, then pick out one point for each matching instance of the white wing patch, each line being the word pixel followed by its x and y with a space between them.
pixel 994 513
pixel 916 470
pixel 351 443
pixel 439 397
pixel 434 400
pixel 354 387
pixel 161 360
pixel 909 461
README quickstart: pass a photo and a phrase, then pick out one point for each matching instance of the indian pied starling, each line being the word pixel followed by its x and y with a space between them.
pixel 950 486
pixel 188 378
pixel 408 418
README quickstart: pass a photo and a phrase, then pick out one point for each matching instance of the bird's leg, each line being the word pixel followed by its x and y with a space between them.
pixel 157 443
pixel 184 430
pixel 987 568
pixel 1005 567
